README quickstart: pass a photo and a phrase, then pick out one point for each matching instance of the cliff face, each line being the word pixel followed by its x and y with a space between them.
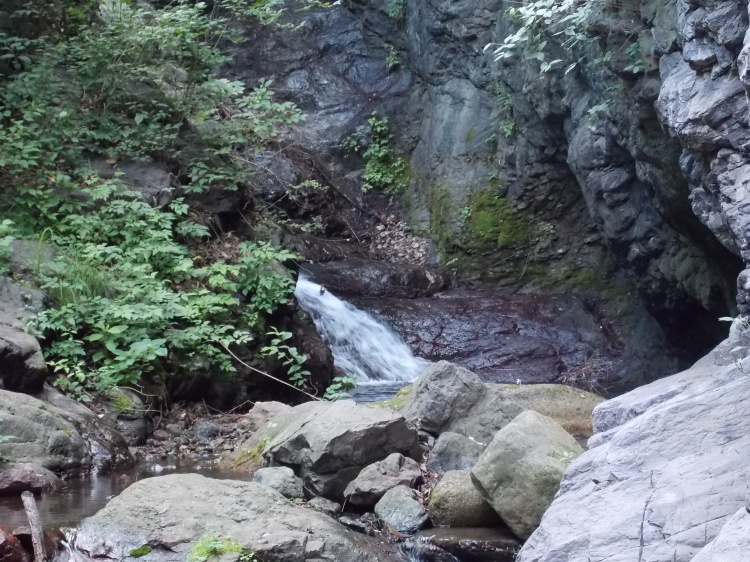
pixel 608 169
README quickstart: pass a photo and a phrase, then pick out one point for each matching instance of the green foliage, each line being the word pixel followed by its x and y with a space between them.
pixel 384 169
pixel 141 551
pixel 213 547
pixel 391 58
pixel 6 239
pixel 119 82
pixel 638 65
pixel 289 356
pixel 564 20
pixel 508 127
pixel 339 388
pixel 396 8
pixel 493 220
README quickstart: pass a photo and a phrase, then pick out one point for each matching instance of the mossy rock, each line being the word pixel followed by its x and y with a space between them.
pixel 493 220
pixel 399 401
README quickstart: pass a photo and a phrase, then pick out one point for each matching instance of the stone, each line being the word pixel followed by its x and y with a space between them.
pixel 376 479
pixel 400 509
pixel 18 478
pixel 328 444
pixel 453 451
pixel 447 397
pixel 58 434
pixel 731 544
pixel 206 431
pixel 330 508
pixel 670 457
pixel 10 549
pixel 260 414
pixel 281 479
pixel 23 365
pixel 174 512
pixel 455 502
pixel 520 471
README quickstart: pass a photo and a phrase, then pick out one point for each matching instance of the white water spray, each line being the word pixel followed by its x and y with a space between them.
pixel 362 347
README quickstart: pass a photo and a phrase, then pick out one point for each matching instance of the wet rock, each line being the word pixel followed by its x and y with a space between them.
pixel 330 443
pixel 176 510
pixel 10 549
pixel 18 478
pixel 376 279
pixel 732 543
pixel 453 451
pixel 281 479
pixel 53 541
pixel 400 509
pixel 375 480
pixel 323 505
pixel 367 523
pixel 206 430
pixel 474 545
pixel 128 414
pixel 449 398
pixel 260 414
pixel 520 471
pixel 673 450
pixel 58 434
pixel 455 502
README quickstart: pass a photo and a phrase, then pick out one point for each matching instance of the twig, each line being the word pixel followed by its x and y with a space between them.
pixel 35 522
pixel 241 362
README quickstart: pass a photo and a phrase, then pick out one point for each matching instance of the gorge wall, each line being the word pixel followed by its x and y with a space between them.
pixel 614 170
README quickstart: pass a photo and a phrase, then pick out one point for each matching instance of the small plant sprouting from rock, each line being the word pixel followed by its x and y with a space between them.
pixel 339 387
pixel 289 356
pixel 391 58
pixel 213 547
pixel 384 169
pixel 141 551
pixel 396 9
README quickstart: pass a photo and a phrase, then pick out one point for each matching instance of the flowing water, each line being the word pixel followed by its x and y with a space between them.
pixel 363 348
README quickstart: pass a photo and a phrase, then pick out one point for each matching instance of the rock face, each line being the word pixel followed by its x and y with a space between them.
pixel 375 480
pixel 401 510
pixel 58 434
pixel 520 471
pixel 455 502
pixel 449 398
pixel 173 513
pixel 732 542
pixel 18 478
pixel 328 444
pixel 671 457
pixel 281 479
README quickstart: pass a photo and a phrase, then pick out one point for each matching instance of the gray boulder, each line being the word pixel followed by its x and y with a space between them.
pixel 328 444
pixel 447 397
pixel 520 471
pixel 453 451
pixel 281 479
pixel 172 513
pixel 671 459
pixel 260 414
pixel 323 505
pixel 18 478
pixel 732 543
pixel 58 434
pixel 206 431
pixel 400 509
pixel 455 502
pixel 375 480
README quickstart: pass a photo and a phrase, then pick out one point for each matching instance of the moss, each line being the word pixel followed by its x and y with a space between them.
pixel 397 402
pixel 440 205
pixel 141 551
pixel 492 219
pixel 211 547
pixel 120 401
pixel 252 456
pixel 470 135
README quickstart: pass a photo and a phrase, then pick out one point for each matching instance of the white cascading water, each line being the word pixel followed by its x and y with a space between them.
pixel 363 348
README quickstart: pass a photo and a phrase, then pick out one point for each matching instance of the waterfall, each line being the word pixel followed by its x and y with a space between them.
pixel 362 347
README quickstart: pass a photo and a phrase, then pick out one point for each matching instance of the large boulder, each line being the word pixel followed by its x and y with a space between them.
pixel 18 478
pixel 173 513
pixel 520 471
pixel 450 398
pixel 330 443
pixel 732 543
pixel 400 509
pixel 455 502
pixel 375 480
pixel 58 434
pixel 664 476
